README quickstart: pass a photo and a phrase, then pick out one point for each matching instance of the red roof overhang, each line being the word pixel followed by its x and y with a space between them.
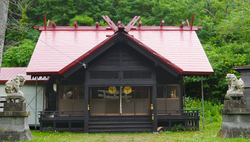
pixel 27 81
pixel 196 73
pixel 46 73
pixel 8 73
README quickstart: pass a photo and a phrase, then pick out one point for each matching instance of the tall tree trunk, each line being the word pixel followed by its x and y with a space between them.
pixel 4 6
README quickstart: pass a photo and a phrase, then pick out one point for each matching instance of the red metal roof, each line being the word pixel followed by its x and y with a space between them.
pixel 9 73
pixel 183 48
pixel 58 48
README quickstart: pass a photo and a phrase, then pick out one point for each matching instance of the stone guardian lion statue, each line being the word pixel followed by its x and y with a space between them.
pixel 13 88
pixel 235 87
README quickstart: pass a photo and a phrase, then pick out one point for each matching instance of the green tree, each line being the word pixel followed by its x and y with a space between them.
pixel 59 11
pixel 19 56
pixel 82 20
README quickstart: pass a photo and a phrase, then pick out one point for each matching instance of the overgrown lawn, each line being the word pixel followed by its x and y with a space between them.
pixel 213 121
pixel 209 134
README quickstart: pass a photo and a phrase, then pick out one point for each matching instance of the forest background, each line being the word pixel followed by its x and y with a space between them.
pixel 224 36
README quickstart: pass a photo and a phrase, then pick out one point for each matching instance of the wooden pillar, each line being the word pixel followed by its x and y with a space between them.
pixel 154 113
pixel 202 103
pixel 182 94
pixel 36 106
pixel 86 111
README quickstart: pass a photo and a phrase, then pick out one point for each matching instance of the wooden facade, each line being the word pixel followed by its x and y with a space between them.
pixel 92 97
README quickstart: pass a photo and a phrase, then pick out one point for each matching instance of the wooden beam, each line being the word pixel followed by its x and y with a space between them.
pixel 44 16
pixel 53 24
pixel 48 23
pixel 86 105
pixel 132 23
pixel 155 121
pixel 202 95
pixel 110 22
pixel 187 23
pixel 192 20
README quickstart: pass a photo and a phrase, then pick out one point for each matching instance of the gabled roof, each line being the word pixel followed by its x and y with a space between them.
pixel 9 73
pixel 60 48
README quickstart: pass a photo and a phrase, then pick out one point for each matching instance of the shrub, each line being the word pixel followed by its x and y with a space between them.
pixel 211 110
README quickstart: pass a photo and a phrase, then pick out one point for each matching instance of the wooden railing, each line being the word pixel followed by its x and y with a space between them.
pixel 179 112
pixel 61 120
pixel 178 119
pixel 51 114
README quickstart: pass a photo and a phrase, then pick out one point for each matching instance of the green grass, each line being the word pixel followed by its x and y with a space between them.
pixel 207 135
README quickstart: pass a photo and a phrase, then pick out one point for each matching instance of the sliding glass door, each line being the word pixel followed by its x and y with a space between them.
pixel 120 100
pixel 71 98
pixel 168 99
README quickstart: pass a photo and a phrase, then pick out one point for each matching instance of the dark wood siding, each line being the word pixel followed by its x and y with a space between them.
pixel 130 62
pixel 132 69
pixel 108 62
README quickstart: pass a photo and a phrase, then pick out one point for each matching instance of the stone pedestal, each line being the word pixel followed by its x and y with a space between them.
pixel 14 123
pixel 236 119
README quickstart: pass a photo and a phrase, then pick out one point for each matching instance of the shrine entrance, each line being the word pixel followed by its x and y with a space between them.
pixel 120 100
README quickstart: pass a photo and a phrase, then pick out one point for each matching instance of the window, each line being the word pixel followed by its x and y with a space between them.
pixel 71 92
pixel 71 98
pixel 168 91
pixel 173 92
pixel 168 98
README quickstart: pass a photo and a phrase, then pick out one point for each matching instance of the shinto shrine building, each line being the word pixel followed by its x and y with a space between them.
pixel 117 78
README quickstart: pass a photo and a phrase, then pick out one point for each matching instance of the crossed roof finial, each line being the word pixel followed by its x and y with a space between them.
pixel 115 28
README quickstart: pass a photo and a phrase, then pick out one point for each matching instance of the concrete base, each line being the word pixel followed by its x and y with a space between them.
pixel 234 126
pixel 14 126
pixel 236 119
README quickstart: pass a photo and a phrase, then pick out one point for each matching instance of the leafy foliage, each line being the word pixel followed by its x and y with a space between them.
pixel 82 20
pixel 18 56
pixel 211 109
